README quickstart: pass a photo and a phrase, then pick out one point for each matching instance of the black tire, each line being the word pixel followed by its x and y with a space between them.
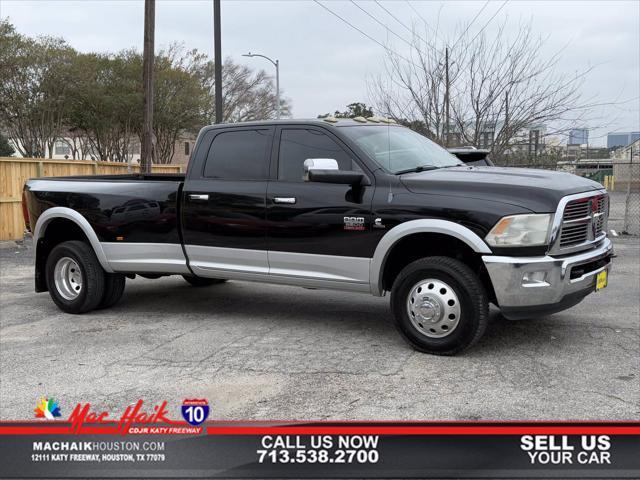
pixel 113 290
pixel 202 282
pixel 92 275
pixel 473 305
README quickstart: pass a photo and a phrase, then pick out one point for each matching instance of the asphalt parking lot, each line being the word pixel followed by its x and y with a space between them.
pixel 269 352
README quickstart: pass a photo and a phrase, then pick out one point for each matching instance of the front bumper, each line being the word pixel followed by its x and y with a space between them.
pixel 530 286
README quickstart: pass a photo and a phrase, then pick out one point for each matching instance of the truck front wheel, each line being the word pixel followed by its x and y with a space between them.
pixel 439 305
pixel 75 278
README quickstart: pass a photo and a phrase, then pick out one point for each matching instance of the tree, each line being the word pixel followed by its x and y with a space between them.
pixel 106 103
pixel 6 150
pixel 181 99
pixel 355 109
pixel 94 101
pixel 497 87
pixel 247 94
pixel 34 79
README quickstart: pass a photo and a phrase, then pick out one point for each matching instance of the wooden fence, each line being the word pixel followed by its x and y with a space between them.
pixel 15 171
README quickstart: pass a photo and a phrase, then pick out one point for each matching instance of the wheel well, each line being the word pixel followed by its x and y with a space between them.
pixel 57 231
pixel 420 245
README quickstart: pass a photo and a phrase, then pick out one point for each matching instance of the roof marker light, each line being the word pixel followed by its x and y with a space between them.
pixel 330 119
pixel 360 119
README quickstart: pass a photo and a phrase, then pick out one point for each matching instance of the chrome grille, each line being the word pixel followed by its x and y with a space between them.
pixel 584 221
pixel 576 209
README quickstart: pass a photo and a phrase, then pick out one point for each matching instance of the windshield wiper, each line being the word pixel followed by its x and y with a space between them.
pixel 421 168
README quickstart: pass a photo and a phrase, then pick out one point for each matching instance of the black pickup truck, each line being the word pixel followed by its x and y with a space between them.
pixel 356 206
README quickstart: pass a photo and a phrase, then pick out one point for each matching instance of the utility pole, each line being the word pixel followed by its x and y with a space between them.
pixel 217 52
pixel 446 97
pixel 146 152
pixel 505 127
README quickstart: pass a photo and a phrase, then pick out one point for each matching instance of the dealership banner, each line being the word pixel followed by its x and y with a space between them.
pixel 147 443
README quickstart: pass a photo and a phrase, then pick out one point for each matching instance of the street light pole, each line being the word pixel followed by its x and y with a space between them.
pixel 277 89
pixel 276 64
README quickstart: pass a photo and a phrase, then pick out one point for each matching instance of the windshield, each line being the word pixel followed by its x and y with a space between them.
pixel 399 149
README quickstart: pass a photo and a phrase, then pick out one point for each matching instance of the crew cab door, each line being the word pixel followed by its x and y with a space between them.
pixel 317 231
pixel 223 213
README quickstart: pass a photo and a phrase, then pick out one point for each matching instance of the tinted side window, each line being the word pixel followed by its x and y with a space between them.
pixel 298 145
pixel 238 155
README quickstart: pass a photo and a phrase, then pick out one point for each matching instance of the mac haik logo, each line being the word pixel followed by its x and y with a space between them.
pixel 133 415
pixel 195 411
pixel 47 408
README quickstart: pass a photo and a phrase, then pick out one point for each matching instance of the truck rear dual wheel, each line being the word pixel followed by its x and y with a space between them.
pixel 77 282
pixel 439 305
pixel 113 289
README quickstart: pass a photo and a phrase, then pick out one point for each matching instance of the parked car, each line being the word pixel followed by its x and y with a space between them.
pixel 473 156
pixel 338 204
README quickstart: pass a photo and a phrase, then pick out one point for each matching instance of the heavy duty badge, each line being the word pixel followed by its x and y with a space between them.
pixel 354 223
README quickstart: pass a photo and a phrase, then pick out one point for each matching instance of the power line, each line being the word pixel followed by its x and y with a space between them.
pixel 470 23
pixel 421 17
pixel 404 25
pixel 364 33
pixel 489 21
pixel 374 18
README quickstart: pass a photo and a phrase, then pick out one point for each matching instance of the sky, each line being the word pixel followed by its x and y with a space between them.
pixel 325 63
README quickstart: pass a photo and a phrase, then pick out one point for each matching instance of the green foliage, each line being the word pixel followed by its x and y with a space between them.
pixel 355 109
pixel 6 150
pixel 420 127
pixel 34 78
pixel 105 102
pixel 94 101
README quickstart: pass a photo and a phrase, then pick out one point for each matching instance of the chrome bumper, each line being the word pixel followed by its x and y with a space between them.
pixel 527 283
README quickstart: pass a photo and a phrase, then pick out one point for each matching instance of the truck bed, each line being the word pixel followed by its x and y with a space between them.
pixel 137 177
pixel 141 208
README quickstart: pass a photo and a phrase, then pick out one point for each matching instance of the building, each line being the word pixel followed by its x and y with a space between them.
pixel 626 167
pixel 578 136
pixel 594 168
pixel 576 152
pixel 72 147
pixel 528 141
pixel 184 147
pixel 621 139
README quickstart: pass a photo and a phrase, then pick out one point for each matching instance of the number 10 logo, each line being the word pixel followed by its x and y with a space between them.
pixel 195 411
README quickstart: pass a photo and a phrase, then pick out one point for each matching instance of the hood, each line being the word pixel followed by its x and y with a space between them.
pixel 537 190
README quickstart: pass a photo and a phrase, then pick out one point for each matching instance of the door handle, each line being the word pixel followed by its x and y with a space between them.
pixel 286 200
pixel 198 196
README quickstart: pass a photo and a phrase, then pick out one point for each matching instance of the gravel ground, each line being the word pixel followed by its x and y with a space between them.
pixel 270 352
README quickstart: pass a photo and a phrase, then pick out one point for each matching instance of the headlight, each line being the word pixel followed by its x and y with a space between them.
pixel 520 231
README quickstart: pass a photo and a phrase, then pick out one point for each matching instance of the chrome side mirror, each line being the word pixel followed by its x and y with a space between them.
pixel 311 164
pixel 326 170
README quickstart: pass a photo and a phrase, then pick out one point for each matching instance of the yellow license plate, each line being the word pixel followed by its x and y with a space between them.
pixel 601 280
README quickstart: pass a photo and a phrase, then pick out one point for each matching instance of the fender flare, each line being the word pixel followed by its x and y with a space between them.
pixel 69 214
pixel 388 241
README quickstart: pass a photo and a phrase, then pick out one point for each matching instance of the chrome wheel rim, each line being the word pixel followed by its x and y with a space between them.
pixel 433 308
pixel 68 278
